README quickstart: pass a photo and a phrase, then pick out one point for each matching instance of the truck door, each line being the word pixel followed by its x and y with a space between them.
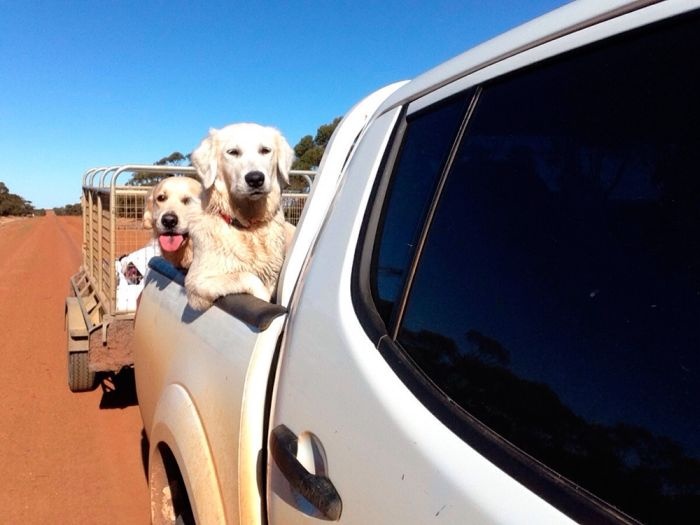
pixel 348 439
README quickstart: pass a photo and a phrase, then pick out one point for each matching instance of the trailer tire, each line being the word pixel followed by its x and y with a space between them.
pixel 80 378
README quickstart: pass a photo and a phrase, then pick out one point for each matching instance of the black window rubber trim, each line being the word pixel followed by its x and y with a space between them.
pixel 360 281
pixel 254 312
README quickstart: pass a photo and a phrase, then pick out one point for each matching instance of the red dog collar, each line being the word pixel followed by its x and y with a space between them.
pixel 231 221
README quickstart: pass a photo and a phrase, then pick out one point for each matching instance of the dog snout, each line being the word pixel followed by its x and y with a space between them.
pixel 255 179
pixel 169 220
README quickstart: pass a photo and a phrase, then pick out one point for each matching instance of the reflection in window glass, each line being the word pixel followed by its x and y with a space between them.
pixel 558 296
pixel 427 143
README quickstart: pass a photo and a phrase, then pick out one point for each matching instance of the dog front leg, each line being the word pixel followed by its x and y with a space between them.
pixel 199 296
pixel 246 282
pixel 203 291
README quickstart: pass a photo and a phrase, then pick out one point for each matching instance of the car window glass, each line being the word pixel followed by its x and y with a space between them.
pixel 557 299
pixel 426 144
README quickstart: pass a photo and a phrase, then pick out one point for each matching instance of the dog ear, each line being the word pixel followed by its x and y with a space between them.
pixel 204 159
pixel 285 158
pixel 148 211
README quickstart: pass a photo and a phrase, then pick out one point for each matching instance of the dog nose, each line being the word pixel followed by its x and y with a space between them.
pixel 169 220
pixel 255 179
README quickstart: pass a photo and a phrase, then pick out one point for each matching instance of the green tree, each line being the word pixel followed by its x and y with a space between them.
pixel 149 179
pixel 305 144
pixel 69 209
pixel 324 132
pixel 175 159
pixel 11 204
pixel 309 150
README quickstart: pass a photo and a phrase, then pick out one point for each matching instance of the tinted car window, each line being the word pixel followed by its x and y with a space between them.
pixel 427 141
pixel 557 299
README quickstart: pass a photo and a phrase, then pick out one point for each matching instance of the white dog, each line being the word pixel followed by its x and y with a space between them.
pixel 169 208
pixel 239 242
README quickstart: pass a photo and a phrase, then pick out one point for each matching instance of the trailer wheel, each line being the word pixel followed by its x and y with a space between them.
pixel 80 378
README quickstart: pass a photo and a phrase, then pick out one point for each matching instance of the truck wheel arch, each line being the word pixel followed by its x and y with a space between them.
pixel 176 415
pixel 170 502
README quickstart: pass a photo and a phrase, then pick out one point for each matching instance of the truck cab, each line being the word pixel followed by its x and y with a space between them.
pixel 489 312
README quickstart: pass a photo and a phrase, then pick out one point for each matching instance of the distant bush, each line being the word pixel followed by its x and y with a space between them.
pixel 69 209
pixel 11 204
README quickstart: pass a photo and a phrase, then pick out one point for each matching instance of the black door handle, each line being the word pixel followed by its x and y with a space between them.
pixel 318 490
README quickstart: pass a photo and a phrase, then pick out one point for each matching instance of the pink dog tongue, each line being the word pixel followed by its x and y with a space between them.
pixel 170 243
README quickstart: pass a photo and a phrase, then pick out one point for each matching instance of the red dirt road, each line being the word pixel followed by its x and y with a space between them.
pixel 63 459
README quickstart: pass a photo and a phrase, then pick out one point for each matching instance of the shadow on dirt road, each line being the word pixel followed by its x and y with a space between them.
pixel 118 390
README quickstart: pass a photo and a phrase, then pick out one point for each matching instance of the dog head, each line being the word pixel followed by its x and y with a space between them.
pixel 248 161
pixel 131 273
pixel 169 208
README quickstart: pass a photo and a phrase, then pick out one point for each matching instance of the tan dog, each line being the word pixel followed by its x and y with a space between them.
pixel 239 242
pixel 169 210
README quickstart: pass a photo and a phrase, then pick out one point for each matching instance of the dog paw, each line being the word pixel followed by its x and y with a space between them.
pixel 262 294
pixel 197 302
pixel 258 289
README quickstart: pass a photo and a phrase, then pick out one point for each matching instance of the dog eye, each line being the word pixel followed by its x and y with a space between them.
pixel 161 197
pixel 186 200
pixel 264 150
pixel 234 152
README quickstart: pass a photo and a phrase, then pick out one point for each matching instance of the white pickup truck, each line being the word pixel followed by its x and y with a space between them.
pixel 489 311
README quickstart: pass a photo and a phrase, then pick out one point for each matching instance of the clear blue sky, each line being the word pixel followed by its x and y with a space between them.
pixel 94 83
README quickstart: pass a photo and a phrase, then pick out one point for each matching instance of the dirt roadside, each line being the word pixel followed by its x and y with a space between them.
pixel 63 458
